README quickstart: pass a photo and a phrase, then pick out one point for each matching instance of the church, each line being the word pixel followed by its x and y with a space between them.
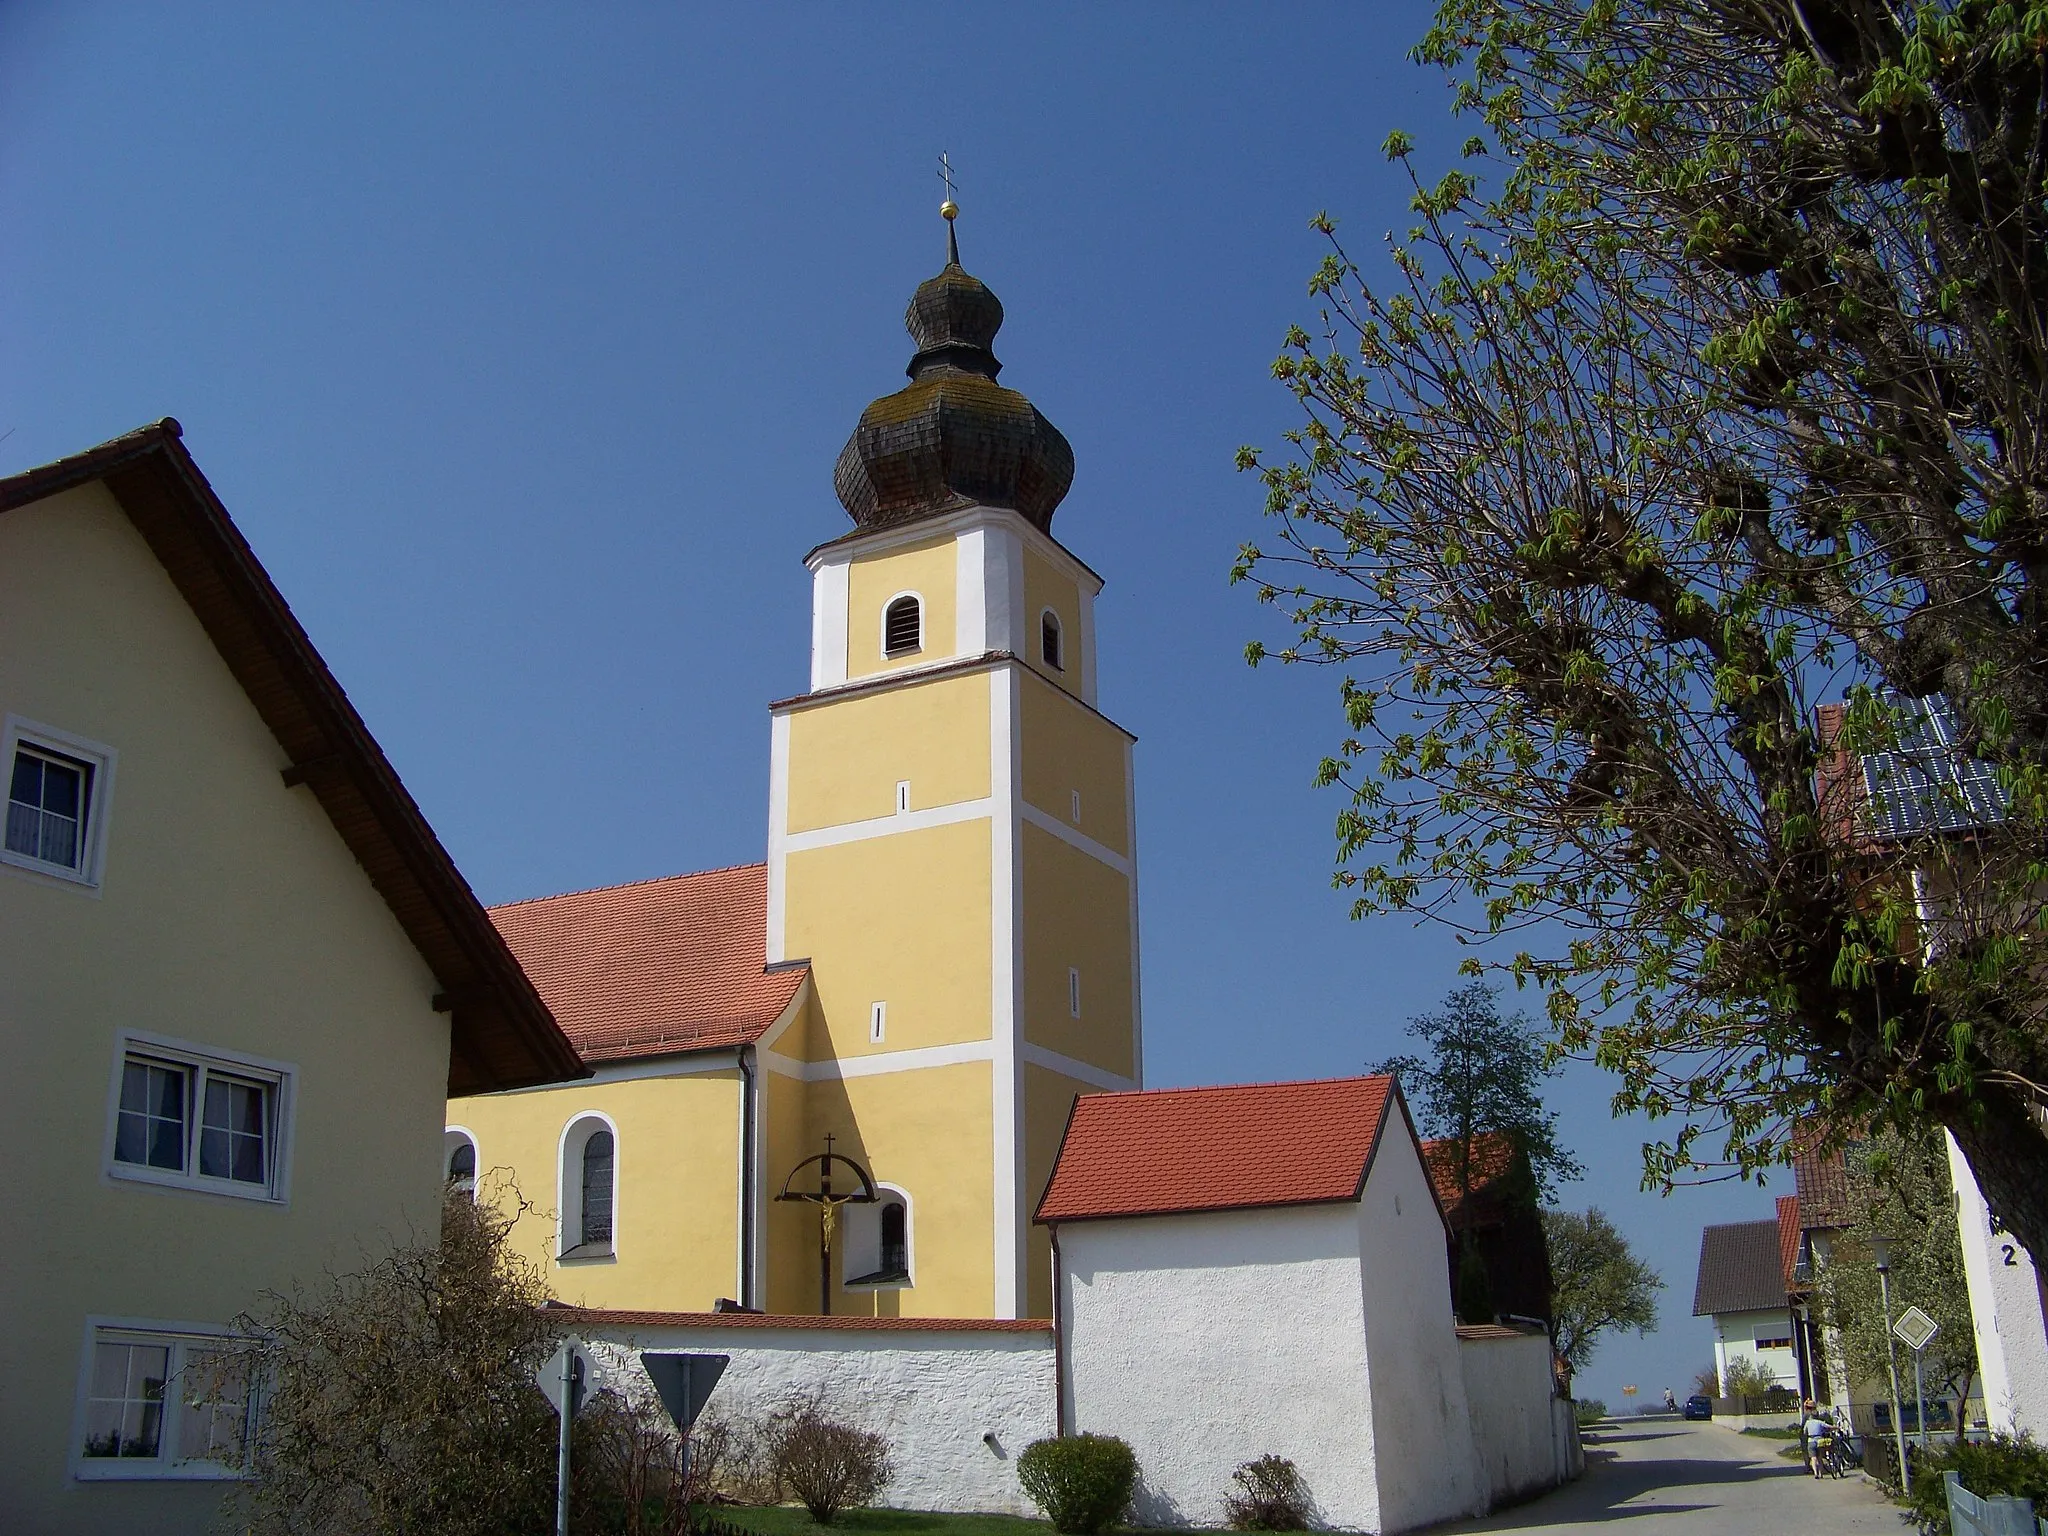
pixel 836 1081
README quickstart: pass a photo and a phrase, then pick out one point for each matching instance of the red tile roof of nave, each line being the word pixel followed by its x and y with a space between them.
pixel 1159 1151
pixel 676 964
pixel 1788 1235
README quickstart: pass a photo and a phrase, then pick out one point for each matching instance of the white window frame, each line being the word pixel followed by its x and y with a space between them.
pixel 569 1187
pixel 849 1214
pixel 882 626
pixel 878 1022
pixel 450 1135
pixel 280 1077
pixel 18 732
pixel 179 1337
pixel 1059 628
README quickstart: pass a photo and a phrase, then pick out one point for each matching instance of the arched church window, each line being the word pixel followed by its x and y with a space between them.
pixel 460 1152
pixel 902 626
pixel 895 1239
pixel 1049 640
pixel 876 1240
pixel 597 1190
pixel 589 1189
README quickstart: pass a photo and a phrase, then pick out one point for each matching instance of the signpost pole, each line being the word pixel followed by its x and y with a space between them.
pixel 567 1419
pixel 1920 1400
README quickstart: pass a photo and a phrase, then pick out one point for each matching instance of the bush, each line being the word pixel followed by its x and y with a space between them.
pixel 2003 1464
pixel 1746 1378
pixel 1269 1496
pixel 827 1464
pixel 1589 1410
pixel 1082 1482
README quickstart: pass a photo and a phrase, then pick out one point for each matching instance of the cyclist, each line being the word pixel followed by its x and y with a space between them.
pixel 1818 1431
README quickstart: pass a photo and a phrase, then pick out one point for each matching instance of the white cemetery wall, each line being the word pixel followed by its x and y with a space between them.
pixel 956 1403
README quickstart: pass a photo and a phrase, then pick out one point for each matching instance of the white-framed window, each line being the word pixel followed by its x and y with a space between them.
pixel 876 1246
pixel 589 1190
pixel 902 625
pixel 1074 992
pixel 191 1117
pixel 1051 644
pixel 458 1159
pixel 878 1022
pixel 161 1401
pixel 59 787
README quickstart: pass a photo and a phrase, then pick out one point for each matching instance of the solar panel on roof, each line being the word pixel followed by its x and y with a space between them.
pixel 1929 784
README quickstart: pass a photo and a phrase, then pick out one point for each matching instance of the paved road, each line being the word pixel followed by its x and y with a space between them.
pixel 1697 1480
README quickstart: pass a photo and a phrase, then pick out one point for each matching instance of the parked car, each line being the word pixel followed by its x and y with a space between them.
pixel 1697 1407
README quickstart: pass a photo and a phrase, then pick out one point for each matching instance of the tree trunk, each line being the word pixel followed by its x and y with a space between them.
pixel 2008 1154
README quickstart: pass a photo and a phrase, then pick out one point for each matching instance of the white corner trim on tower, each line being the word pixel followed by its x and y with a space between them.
pixel 778 832
pixel 1006 930
pixel 970 593
pixel 829 624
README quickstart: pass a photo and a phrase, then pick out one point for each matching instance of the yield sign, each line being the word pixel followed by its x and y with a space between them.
pixel 1916 1328
pixel 684 1382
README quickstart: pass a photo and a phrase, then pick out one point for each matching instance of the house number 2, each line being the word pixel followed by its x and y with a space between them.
pixel 2010 1261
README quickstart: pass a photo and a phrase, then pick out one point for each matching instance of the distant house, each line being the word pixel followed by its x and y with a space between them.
pixel 1499 1215
pixel 1741 1286
pixel 238 978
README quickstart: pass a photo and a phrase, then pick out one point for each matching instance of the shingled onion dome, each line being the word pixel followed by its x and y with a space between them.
pixel 954 437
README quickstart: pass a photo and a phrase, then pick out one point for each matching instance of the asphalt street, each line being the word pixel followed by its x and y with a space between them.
pixel 1697 1480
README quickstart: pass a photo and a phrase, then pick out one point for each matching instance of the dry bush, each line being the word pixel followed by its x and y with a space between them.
pixel 401 1397
pixel 632 1476
pixel 1268 1495
pixel 825 1463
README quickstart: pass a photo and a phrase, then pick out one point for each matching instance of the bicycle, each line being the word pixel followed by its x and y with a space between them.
pixel 1830 1457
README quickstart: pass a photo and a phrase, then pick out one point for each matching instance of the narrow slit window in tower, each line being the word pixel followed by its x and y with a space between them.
pixel 1074 993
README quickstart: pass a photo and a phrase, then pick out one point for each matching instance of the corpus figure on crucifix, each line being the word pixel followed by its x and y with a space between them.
pixel 828 1203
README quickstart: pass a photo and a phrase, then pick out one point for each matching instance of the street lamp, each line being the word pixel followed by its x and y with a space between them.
pixel 1882 1251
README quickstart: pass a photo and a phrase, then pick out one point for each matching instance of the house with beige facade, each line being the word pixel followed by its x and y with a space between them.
pixel 239 979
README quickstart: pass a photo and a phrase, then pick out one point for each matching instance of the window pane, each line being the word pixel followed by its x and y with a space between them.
pixel 27 783
pixel 151 1127
pixel 212 1405
pixel 462 1166
pixel 124 1414
pixel 60 790
pixel 231 1133
pixel 597 1188
pixel 60 840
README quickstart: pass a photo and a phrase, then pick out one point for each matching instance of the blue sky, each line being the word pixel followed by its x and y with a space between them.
pixel 521 341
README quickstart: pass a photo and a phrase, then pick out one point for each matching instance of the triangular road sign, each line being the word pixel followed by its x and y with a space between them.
pixel 684 1382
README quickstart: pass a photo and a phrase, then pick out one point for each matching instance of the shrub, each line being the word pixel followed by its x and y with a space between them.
pixel 1082 1482
pixel 829 1465
pixel 1746 1378
pixel 1589 1410
pixel 1269 1496
pixel 2003 1464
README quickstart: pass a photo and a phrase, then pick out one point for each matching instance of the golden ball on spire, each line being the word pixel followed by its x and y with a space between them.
pixel 949 210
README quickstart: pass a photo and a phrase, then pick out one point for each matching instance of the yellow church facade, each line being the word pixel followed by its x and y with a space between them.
pixel 938 953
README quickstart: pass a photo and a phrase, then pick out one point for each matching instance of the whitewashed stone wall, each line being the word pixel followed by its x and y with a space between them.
pixel 935 1393
pixel 1209 1340
pixel 1523 1436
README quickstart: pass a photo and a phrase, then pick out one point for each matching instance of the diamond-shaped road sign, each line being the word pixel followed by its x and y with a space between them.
pixel 1916 1328
pixel 684 1382
pixel 569 1372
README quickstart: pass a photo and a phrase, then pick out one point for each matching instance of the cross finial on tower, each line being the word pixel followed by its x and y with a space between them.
pixel 949 210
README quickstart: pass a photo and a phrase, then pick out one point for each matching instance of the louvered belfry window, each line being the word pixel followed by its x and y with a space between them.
pixel 902 627
pixel 1049 640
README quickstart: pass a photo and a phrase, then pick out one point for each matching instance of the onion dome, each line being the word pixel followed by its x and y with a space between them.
pixel 954 437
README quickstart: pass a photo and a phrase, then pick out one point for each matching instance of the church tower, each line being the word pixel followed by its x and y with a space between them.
pixel 951 841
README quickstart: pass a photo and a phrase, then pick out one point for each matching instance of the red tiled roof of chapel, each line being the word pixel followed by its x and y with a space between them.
pixel 677 964
pixel 1160 1151
pixel 1788 1235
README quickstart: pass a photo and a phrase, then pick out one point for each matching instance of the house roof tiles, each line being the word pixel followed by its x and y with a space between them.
pixel 660 966
pixel 1163 1151
pixel 1739 1269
